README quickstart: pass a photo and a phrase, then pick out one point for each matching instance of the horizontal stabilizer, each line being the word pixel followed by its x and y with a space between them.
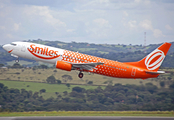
pixel 157 72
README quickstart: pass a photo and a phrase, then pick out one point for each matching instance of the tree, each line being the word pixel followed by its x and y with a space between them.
pixel 12 90
pixel 101 98
pixel 77 95
pixel 151 88
pixel 90 82
pixel 65 93
pixel 162 84
pixel 66 78
pixel 1 85
pixel 68 85
pixel 172 86
pixel 56 93
pixel 51 79
pixel 35 95
pixel 169 78
pixel 78 89
pixel 119 97
pixel 59 81
pixel 1 65
pixel 42 91
pixel 16 65
pixel 43 66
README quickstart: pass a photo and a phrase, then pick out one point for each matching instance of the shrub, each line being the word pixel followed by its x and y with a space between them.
pixel 90 82
pixel 17 73
pixel 162 84
pixel 42 91
pixel 78 89
pixel 68 85
pixel 59 81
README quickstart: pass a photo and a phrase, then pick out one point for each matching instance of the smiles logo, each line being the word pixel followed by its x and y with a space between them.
pixel 43 53
pixel 154 59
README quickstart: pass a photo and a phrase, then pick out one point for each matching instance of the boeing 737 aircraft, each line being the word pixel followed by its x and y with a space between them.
pixel 68 60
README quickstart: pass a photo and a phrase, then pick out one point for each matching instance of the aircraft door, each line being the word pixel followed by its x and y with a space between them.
pixel 23 48
pixel 133 72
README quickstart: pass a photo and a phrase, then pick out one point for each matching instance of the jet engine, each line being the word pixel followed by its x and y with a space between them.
pixel 63 65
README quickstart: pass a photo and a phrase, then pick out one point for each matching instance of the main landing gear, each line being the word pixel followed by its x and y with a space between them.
pixel 17 60
pixel 80 75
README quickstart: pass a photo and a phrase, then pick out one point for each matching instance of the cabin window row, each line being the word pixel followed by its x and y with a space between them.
pixel 114 67
pixel 76 59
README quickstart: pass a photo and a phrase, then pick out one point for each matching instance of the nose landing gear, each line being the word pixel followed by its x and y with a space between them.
pixel 80 75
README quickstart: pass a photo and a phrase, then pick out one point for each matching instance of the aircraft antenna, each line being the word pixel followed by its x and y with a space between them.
pixel 144 42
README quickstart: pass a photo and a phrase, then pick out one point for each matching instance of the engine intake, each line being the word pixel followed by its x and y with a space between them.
pixel 63 65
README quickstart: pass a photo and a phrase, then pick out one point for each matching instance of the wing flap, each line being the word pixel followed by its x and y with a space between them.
pixel 86 66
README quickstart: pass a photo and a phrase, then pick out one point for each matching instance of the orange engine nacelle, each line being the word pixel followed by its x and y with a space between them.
pixel 63 65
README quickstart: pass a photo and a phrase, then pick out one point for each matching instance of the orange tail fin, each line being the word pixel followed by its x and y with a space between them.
pixel 154 60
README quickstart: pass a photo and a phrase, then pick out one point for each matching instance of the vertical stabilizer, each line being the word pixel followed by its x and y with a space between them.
pixel 153 60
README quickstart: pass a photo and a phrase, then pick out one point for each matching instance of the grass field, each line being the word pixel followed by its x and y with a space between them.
pixel 90 113
pixel 36 80
pixel 40 75
pixel 35 87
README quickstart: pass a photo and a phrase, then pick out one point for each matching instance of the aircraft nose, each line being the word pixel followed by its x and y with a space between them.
pixel 7 47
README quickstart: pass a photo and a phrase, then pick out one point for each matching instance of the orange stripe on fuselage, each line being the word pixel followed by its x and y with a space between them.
pixel 10 51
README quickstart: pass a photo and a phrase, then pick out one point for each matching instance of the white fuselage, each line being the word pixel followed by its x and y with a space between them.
pixel 35 51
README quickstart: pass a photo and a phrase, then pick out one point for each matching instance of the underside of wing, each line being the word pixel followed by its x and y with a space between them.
pixel 85 66
pixel 14 55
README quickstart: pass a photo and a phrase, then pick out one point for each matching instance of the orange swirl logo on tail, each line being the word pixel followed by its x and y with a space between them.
pixel 154 59
pixel 43 53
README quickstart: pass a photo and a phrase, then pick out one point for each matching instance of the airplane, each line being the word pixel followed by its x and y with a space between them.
pixel 69 60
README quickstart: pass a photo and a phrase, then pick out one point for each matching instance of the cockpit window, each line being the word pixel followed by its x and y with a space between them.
pixel 13 44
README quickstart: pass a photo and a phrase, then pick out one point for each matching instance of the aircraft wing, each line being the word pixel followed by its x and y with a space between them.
pixel 86 66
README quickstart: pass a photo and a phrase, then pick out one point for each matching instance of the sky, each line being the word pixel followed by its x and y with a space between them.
pixel 91 21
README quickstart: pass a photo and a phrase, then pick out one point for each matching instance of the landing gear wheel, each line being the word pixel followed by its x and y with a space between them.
pixel 80 75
